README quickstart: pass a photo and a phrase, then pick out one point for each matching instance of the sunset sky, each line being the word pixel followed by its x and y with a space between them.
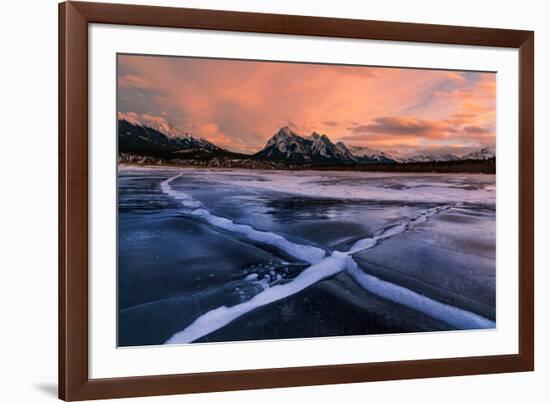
pixel 239 105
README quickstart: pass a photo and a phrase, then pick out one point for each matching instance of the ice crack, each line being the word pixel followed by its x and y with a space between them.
pixel 322 267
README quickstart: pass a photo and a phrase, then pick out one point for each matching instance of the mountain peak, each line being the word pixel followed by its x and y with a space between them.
pixel 370 155
pixel 313 136
pixel 285 145
pixel 285 134
pixel 135 137
pixel 162 136
pixel 483 153
pixel 288 146
pixel 431 158
pixel 155 122
pixel 285 131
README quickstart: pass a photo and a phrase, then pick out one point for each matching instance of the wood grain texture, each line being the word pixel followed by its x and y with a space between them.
pixel 73 196
pixel 526 201
pixel 74 382
pixel 298 25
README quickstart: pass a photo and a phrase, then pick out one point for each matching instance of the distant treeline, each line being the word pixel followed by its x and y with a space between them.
pixel 461 166
pixel 237 162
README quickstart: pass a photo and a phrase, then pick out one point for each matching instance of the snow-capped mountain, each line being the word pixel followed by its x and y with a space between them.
pixel 138 138
pixel 482 154
pixel 431 158
pixel 342 148
pixel 323 147
pixel 157 141
pixel 288 146
pixel 155 123
pixel 369 155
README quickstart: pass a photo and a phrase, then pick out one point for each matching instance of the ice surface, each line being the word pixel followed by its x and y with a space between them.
pixel 454 316
pixel 365 244
pixel 220 317
pixel 302 252
pixel 428 195
pixel 382 186
pixel 450 258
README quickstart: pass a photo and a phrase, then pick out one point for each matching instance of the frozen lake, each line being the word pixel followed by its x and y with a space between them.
pixel 208 255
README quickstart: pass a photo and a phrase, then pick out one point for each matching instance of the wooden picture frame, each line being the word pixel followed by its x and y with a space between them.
pixel 74 381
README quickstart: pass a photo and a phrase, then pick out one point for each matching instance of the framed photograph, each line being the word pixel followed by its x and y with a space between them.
pixel 258 200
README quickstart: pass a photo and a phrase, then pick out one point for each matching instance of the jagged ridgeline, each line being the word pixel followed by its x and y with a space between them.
pixel 317 149
pixel 165 144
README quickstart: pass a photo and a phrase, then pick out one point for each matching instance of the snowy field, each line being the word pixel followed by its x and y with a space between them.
pixel 209 255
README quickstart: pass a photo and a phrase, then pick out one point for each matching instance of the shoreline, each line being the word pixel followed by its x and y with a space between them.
pixel 304 169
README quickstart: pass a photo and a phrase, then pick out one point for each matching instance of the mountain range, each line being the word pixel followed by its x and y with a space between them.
pixel 316 149
pixel 164 142
pixel 482 154
pixel 138 139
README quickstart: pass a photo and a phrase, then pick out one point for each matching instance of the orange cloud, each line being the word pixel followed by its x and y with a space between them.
pixel 240 104
pixel 407 126
pixel 476 130
pixel 134 81
pixel 456 76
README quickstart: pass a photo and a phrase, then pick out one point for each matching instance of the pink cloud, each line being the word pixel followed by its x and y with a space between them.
pixel 249 101
pixel 134 81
